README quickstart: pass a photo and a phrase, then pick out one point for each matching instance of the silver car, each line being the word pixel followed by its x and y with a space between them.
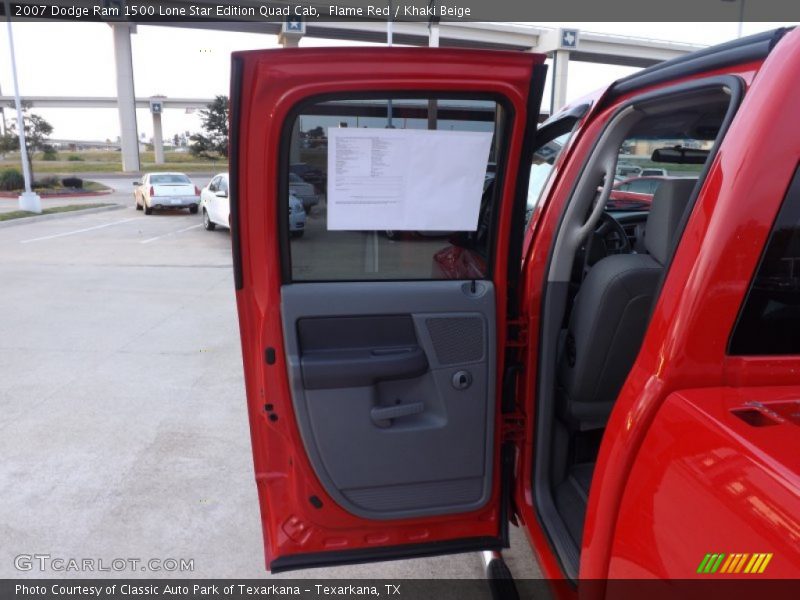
pixel 165 190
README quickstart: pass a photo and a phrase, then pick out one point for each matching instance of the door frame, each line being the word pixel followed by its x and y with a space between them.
pixel 519 138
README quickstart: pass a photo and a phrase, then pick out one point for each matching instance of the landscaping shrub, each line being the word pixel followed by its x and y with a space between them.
pixel 11 179
pixel 49 153
pixel 74 158
pixel 72 182
pixel 46 182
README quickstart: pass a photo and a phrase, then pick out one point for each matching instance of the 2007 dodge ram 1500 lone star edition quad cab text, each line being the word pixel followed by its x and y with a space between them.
pixel 621 380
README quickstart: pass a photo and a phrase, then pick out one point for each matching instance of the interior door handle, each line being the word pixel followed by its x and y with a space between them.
pixel 382 416
pixel 353 368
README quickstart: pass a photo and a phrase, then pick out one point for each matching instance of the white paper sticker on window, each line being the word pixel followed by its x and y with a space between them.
pixel 405 179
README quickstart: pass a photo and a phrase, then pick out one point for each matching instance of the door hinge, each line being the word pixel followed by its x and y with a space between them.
pixel 513 427
pixel 517 333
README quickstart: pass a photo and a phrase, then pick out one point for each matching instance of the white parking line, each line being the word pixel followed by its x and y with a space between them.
pixel 158 237
pixel 76 231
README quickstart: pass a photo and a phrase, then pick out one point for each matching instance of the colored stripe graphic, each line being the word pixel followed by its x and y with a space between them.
pixel 736 562
pixel 727 564
pixel 703 563
pixel 764 564
pixel 710 563
pixel 752 563
pixel 741 562
pixel 717 563
pixel 757 564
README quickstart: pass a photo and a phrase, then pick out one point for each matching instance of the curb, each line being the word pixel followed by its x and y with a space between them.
pixel 61 215
pixel 67 195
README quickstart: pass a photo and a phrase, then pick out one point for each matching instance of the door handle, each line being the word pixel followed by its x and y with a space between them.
pixel 330 369
pixel 384 415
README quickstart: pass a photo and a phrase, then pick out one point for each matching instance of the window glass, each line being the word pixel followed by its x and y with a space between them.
pixel 324 251
pixel 544 158
pixel 167 178
pixel 212 187
pixel 640 169
pixel 769 321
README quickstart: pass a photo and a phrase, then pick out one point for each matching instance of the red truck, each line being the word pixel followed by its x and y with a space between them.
pixel 622 384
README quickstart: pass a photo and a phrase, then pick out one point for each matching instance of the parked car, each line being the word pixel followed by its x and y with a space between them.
pixel 312 175
pixel 216 208
pixel 625 170
pixel 635 412
pixel 304 191
pixel 165 190
pixel 634 192
pixel 653 172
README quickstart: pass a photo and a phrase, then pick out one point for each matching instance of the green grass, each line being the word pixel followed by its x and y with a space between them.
pixel 93 186
pixel 102 161
pixel 21 214
pixel 88 186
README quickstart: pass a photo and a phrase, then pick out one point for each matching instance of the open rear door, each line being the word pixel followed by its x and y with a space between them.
pixel 374 325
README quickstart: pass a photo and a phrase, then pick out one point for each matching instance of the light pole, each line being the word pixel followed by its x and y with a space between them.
pixel 2 119
pixel 28 200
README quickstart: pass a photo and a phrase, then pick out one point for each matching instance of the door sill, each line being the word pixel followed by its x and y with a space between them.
pixel 366 555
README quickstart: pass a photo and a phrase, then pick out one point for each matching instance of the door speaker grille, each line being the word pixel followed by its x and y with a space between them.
pixel 456 339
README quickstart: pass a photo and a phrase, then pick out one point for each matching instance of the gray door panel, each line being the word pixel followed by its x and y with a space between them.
pixel 393 388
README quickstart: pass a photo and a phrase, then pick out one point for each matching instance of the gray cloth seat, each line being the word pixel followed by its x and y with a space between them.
pixel 611 312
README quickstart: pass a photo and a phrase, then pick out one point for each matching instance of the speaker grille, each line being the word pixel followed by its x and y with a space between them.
pixel 456 339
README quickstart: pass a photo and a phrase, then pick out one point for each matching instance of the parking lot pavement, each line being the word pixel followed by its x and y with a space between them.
pixel 124 431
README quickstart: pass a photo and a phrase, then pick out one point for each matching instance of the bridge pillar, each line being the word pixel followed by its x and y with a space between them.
pixel 126 99
pixel 158 139
pixel 289 41
pixel 560 70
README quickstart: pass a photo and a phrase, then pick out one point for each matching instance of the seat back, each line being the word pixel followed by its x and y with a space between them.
pixel 610 315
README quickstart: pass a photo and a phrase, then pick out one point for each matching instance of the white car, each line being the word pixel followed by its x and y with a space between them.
pixel 303 190
pixel 165 190
pixel 216 207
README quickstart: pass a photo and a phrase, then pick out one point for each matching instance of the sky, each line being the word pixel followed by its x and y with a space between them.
pixel 77 59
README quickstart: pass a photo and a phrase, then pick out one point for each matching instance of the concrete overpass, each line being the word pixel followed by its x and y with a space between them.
pixel 562 45
pixel 102 102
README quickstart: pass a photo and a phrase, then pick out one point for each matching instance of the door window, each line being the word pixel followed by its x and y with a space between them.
pixel 327 252
pixel 543 160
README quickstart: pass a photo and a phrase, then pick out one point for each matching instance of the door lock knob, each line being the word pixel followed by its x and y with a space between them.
pixel 462 380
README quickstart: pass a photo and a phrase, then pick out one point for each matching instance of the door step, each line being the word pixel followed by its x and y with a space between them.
pixel 498 575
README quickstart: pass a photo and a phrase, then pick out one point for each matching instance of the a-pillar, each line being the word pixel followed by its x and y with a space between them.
pixel 126 98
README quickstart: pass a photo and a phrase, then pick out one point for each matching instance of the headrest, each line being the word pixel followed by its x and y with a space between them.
pixel 666 210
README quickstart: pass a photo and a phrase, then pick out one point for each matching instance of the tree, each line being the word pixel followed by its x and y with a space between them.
pixel 213 142
pixel 37 133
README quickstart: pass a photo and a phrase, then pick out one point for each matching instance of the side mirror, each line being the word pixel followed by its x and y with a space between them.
pixel 221 194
